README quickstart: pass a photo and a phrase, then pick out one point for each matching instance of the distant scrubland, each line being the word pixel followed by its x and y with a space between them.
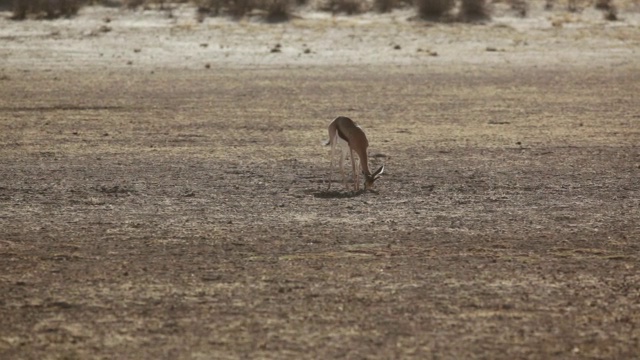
pixel 283 10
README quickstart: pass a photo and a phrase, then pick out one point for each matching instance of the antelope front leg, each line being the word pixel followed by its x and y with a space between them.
pixel 332 154
pixel 356 185
pixel 344 178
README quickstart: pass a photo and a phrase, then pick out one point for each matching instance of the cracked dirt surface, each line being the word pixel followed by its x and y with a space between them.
pixel 163 209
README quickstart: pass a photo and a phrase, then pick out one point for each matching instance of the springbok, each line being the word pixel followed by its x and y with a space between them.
pixel 344 131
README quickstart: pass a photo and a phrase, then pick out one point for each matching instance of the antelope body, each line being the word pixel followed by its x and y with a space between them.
pixel 343 130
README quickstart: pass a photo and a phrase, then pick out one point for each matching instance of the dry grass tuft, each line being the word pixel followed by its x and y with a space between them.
pixel 434 9
pixel 45 9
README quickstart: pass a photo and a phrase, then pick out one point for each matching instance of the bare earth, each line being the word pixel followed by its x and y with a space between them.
pixel 163 195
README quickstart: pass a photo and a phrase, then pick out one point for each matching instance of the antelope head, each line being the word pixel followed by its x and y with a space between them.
pixel 369 179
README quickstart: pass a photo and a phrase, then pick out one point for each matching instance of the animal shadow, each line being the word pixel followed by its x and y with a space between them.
pixel 336 194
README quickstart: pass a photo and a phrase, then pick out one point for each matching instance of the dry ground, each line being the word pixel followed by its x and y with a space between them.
pixel 161 209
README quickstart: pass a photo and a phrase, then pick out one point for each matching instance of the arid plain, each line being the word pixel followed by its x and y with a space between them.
pixel 163 187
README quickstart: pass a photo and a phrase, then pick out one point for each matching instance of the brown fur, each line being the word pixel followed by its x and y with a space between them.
pixel 346 129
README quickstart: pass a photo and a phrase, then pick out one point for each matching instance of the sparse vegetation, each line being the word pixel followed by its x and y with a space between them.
pixel 45 9
pixel 239 8
pixel 474 10
pixel 5 5
pixel 520 7
pixel 609 9
pixel 281 10
pixel 273 10
pixel 348 7
pixel 434 9
pixel 276 10
pixel 133 4
pixel 384 6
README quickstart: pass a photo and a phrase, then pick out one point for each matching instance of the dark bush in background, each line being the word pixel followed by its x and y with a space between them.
pixel 48 9
pixel 281 10
pixel 474 10
pixel 434 9
pixel 276 10
pixel 384 6
pixel 348 7
pixel 6 5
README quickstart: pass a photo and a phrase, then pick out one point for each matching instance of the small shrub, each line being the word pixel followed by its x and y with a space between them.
pixel 474 10
pixel 5 5
pixel 608 8
pixel 520 7
pixel 611 14
pixel 548 5
pixel 434 9
pixel 276 10
pixel 234 8
pixel 572 6
pixel 48 9
pixel 133 4
pixel 348 7
pixel 147 4
pixel 384 6
pixel 210 7
pixel 239 8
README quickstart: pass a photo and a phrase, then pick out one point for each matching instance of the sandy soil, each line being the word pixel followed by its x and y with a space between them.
pixel 163 188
